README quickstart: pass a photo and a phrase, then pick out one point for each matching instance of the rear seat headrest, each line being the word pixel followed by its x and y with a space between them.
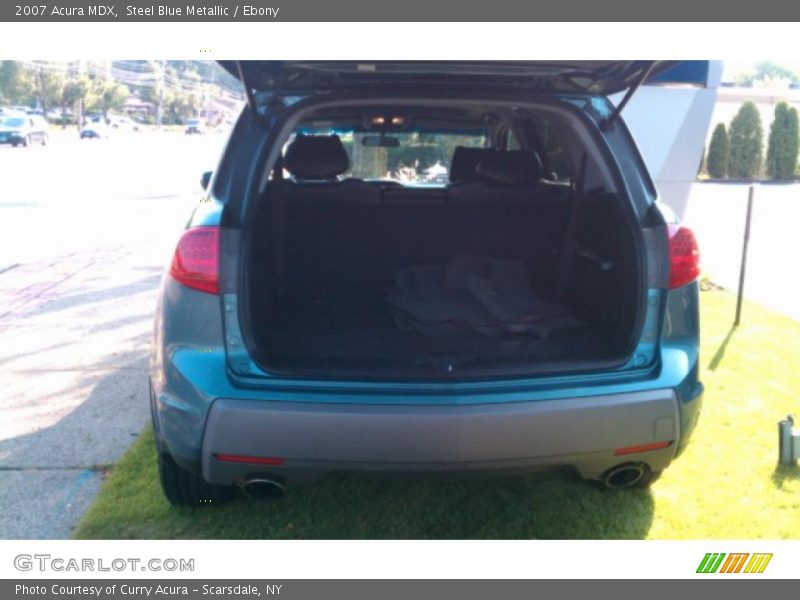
pixel 316 157
pixel 510 167
pixel 465 161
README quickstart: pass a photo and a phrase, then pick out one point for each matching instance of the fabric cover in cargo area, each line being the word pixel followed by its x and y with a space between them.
pixel 473 294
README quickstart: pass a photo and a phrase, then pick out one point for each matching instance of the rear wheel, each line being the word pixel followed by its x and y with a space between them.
pixel 26 141
pixel 45 139
pixel 186 489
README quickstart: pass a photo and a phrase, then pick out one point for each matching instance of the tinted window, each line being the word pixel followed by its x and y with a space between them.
pixel 551 147
pixel 407 157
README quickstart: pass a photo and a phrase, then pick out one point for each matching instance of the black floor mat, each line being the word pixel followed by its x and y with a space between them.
pixel 359 331
pixel 418 321
pixel 474 294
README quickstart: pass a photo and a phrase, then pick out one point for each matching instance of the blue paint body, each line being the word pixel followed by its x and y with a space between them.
pixel 199 356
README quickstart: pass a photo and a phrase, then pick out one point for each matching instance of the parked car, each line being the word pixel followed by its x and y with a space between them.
pixel 6 111
pixel 195 126
pixel 24 130
pixel 122 123
pixel 95 131
pixel 537 309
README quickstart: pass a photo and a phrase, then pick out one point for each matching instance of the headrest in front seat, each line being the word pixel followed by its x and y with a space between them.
pixel 316 157
pixel 510 167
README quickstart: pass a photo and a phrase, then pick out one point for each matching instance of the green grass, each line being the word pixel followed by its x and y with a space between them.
pixel 726 484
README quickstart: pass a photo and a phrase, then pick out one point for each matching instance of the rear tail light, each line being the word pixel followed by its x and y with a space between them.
pixel 196 260
pixel 684 256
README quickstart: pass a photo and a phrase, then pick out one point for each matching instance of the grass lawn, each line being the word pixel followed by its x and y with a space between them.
pixel 726 484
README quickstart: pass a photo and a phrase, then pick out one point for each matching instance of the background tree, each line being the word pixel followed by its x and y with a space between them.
pixel 718 153
pixel 75 96
pixel 48 87
pixel 180 106
pixel 16 83
pixel 784 142
pixel 768 73
pixel 746 143
pixel 110 96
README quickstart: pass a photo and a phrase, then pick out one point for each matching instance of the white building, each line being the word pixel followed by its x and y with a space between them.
pixel 670 121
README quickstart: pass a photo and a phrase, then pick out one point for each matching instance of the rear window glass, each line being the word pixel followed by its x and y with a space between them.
pixel 406 157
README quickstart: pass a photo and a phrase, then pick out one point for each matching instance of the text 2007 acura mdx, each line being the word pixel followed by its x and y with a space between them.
pixel 426 266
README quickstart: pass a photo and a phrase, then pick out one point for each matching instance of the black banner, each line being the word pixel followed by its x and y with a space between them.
pixel 408 10
pixel 335 589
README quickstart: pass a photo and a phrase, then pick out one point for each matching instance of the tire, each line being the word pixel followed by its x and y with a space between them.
pixel 186 489
pixel 26 141
pixel 45 139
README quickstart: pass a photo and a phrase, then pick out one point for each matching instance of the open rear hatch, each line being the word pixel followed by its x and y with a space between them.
pixel 600 77
pixel 358 278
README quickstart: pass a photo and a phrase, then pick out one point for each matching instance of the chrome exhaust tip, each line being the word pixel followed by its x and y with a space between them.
pixel 624 476
pixel 263 489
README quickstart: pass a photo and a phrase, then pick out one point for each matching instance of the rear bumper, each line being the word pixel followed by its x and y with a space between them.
pixel 314 439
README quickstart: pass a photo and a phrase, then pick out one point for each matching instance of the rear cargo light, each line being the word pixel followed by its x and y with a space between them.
pixel 275 461
pixel 641 448
pixel 196 260
pixel 684 256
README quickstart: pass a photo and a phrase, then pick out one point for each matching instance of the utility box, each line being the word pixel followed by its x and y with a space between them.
pixel 788 442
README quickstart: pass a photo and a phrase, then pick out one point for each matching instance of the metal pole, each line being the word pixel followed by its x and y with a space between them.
pixel 161 82
pixel 745 243
pixel 785 455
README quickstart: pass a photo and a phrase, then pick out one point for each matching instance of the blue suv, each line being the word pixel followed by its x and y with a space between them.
pixel 426 267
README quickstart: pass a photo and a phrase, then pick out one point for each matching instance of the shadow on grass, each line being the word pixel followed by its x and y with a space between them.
pixel 544 505
pixel 784 474
pixel 720 353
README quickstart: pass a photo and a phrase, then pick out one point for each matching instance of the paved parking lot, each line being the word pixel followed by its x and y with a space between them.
pixel 85 231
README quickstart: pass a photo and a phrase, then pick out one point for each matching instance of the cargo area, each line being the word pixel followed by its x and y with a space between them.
pixel 485 260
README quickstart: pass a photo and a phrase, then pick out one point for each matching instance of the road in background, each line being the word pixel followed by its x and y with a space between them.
pixel 73 193
pixel 86 228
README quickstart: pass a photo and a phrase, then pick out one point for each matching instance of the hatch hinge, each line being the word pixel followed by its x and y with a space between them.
pixel 608 121
pixel 248 90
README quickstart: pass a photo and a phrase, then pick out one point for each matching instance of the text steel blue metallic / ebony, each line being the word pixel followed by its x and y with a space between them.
pixel 426 266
